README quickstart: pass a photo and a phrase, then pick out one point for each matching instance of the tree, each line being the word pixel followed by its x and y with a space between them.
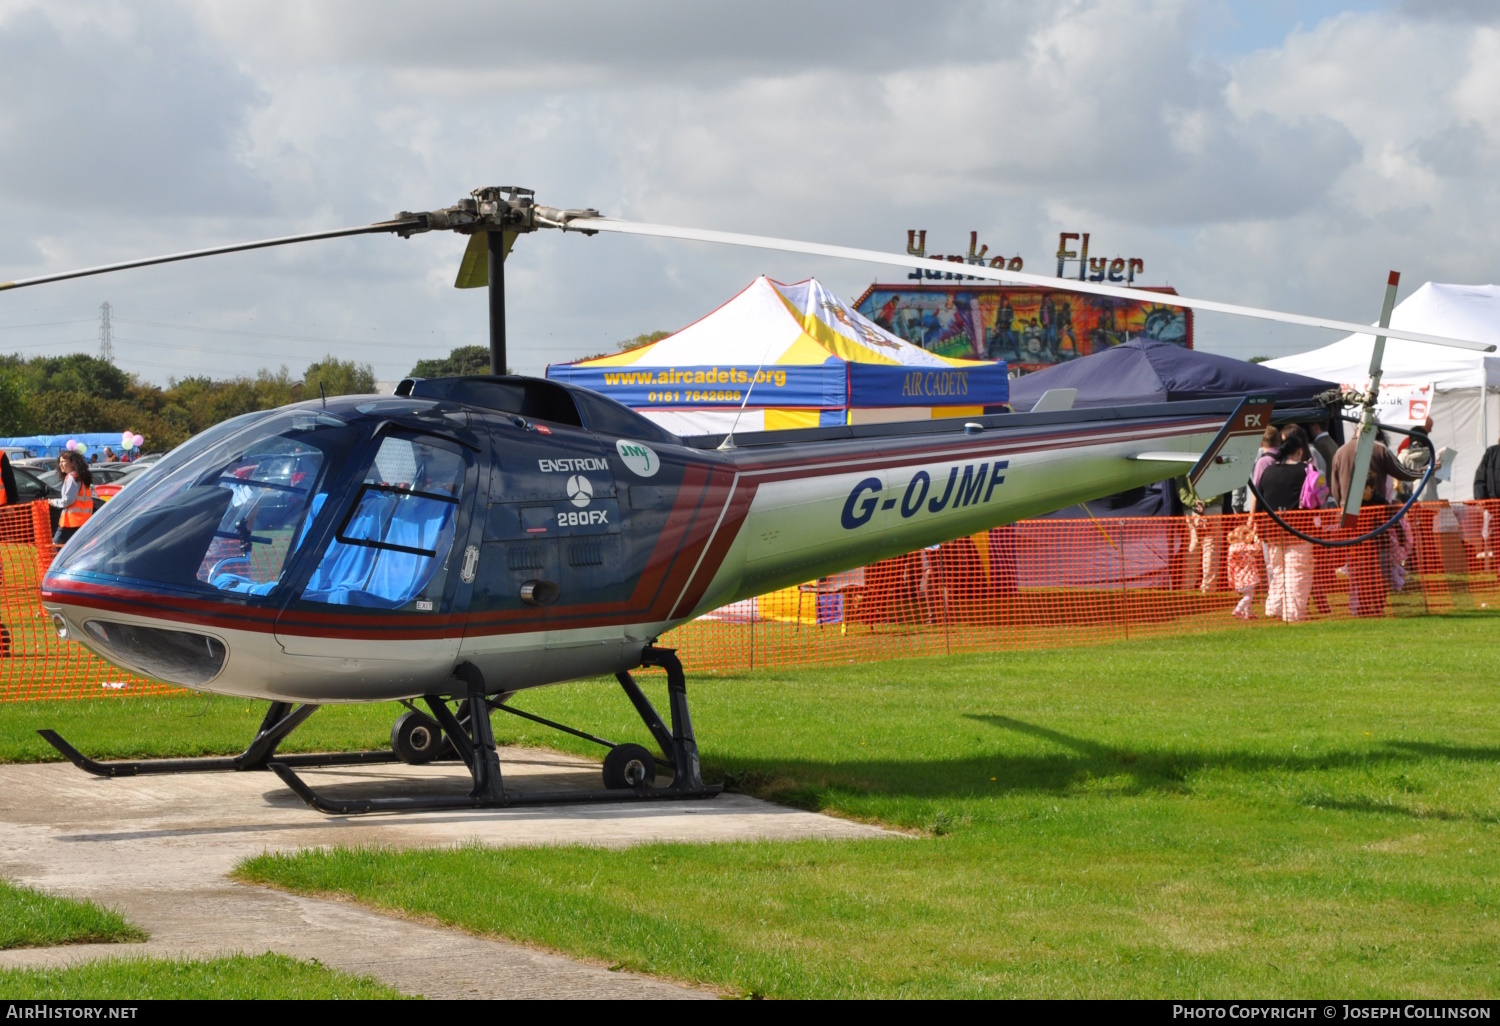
pixel 15 411
pixel 633 343
pixel 338 377
pixel 461 362
pixel 1259 359
pixel 78 372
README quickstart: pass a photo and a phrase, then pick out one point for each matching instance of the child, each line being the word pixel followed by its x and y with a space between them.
pixel 1244 567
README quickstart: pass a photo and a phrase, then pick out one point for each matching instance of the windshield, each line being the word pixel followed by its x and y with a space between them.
pixel 226 513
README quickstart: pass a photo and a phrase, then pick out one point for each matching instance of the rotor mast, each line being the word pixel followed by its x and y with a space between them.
pixel 495 243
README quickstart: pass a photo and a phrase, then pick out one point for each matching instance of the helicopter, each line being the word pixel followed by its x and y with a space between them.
pixel 466 539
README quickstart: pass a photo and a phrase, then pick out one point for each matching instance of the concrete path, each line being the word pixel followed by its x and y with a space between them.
pixel 157 848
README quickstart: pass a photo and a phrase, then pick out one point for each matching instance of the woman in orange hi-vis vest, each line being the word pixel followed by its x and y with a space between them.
pixel 77 501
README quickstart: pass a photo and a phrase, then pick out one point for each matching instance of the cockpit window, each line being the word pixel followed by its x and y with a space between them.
pixel 227 512
pixel 269 487
pixel 392 545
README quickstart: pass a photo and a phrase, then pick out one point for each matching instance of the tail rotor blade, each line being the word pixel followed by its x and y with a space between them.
pixel 1366 447
pixel 1362 455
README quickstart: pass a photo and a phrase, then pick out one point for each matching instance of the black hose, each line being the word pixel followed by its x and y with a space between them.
pixel 1346 542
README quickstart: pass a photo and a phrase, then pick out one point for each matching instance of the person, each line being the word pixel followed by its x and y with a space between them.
pixel 1205 529
pixel 1487 486
pixel 1313 455
pixel 1414 452
pixel 1323 443
pixel 1383 467
pixel 1487 475
pixel 109 455
pixel 8 479
pixel 1367 566
pixel 77 499
pixel 1289 559
pixel 1244 567
pixel 1269 440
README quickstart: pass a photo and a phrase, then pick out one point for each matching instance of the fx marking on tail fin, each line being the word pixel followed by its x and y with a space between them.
pixel 1227 462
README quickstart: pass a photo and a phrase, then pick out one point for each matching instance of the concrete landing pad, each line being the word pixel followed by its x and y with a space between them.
pixel 158 847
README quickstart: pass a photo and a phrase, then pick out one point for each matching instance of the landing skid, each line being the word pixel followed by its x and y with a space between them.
pixel 468 737
pixel 280 720
pixel 475 743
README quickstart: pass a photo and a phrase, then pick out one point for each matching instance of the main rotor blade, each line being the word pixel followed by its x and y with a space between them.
pixel 609 224
pixel 193 254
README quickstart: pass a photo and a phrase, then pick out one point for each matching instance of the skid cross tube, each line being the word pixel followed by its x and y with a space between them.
pixel 475 744
pixel 502 707
pixel 280 720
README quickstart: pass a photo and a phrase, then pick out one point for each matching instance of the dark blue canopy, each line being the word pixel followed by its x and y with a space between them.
pixel 1147 371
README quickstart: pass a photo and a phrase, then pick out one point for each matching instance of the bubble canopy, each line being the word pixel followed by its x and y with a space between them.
pixel 230 511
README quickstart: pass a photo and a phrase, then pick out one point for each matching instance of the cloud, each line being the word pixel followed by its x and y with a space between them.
pixel 130 112
pixel 655 40
pixel 1290 176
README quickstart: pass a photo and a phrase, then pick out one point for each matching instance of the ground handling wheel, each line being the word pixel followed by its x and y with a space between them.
pixel 629 766
pixel 416 738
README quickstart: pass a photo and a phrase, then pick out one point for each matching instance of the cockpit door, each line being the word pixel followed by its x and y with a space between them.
pixel 552 519
pixel 386 597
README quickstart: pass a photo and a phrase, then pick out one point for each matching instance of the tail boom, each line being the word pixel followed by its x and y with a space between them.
pixel 812 510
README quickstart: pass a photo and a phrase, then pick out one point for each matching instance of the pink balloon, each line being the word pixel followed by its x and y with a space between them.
pixel 139 440
pixel 72 444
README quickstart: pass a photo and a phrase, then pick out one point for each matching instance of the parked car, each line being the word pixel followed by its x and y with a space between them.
pixel 16 452
pixel 107 488
pixel 105 476
pixel 31 486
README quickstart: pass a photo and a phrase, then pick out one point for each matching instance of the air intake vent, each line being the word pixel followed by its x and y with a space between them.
pixel 585 554
pixel 525 557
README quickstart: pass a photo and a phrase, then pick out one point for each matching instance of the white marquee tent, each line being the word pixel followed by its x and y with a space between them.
pixel 1464 385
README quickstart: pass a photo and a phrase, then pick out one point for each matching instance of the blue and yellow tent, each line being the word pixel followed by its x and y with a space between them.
pixel 793 356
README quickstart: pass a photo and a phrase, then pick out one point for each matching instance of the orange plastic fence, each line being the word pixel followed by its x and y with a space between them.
pixel 1035 584
pixel 1068 582
pixel 34 662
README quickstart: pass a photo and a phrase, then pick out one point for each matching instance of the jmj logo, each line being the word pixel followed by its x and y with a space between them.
pixel 639 457
pixel 580 492
pixel 966 486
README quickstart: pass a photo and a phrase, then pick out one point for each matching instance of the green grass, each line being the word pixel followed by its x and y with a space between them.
pixel 1310 811
pixel 31 919
pixel 173 726
pixel 266 976
pixel 1298 811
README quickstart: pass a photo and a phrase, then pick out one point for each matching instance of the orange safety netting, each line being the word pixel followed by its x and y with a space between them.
pixel 1057 583
pixel 34 662
pixel 1035 584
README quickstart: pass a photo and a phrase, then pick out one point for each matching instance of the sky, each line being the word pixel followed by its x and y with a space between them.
pixel 1275 153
